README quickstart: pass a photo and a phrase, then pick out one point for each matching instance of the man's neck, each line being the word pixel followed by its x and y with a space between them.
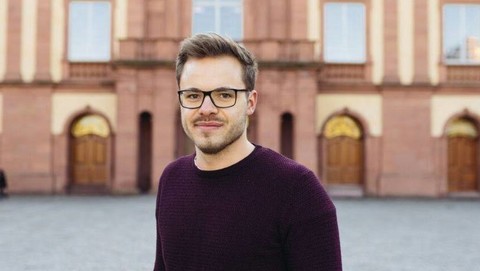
pixel 225 158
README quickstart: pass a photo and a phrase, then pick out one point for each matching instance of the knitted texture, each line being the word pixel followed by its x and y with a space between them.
pixel 266 212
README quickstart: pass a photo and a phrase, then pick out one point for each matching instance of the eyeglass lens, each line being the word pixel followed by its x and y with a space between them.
pixel 220 98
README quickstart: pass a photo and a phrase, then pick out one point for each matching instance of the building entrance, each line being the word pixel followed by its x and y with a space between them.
pixel 344 157
pixel 90 137
pixel 462 156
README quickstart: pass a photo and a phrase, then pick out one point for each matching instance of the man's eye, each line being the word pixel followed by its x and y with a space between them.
pixel 192 96
pixel 225 95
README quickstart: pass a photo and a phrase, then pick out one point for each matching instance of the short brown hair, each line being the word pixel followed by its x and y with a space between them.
pixel 211 45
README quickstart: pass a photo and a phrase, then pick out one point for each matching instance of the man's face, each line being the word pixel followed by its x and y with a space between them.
pixel 213 129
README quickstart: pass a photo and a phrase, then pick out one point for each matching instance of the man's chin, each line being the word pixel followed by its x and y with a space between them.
pixel 210 149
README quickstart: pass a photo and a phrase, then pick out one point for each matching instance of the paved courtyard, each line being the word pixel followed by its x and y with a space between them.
pixel 54 233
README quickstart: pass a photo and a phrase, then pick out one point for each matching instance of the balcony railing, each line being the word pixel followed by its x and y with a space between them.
pixel 462 73
pixel 302 51
pixel 165 50
pixel 88 70
pixel 272 52
pixel 347 72
pixel 148 49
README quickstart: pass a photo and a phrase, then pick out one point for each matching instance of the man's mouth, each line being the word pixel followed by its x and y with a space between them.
pixel 208 125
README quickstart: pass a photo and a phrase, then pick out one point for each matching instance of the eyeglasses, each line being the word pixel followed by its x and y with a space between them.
pixel 220 97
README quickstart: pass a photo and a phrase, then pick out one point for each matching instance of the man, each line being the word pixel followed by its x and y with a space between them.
pixel 234 205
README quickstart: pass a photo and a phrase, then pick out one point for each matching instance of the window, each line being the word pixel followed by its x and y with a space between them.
pixel 220 16
pixel 344 33
pixel 461 34
pixel 89 31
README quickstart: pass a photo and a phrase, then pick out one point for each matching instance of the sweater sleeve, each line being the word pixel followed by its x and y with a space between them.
pixel 310 230
pixel 159 264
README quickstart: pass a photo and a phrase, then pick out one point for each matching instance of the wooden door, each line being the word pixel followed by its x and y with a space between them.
pixel 344 161
pixel 90 146
pixel 462 164
pixel 90 160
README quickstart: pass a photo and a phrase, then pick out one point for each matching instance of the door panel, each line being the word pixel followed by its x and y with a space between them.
pixel 344 160
pixel 462 164
pixel 90 163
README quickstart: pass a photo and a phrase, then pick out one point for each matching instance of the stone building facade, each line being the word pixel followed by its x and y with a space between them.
pixel 372 95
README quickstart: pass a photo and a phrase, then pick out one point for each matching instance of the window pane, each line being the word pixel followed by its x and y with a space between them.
pixel 344 39
pixel 231 22
pixel 89 31
pixel 220 16
pixel 451 34
pixel 203 19
pixel 461 34
pixel 472 30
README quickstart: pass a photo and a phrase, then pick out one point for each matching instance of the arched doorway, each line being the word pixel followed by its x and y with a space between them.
pixel 252 127
pixel 184 145
pixel 344 151
pixel 462 158
pixel 144 167
pixel 286 135
pixel 90 154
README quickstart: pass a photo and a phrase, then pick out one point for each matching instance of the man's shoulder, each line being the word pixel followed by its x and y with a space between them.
pixel 272 160
pixel 179 163
pixel 270 156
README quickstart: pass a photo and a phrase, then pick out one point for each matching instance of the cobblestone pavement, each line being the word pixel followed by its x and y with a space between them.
pixel 413 235
pixel 58 233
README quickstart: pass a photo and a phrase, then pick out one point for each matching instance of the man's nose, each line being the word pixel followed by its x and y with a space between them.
pixel 208 107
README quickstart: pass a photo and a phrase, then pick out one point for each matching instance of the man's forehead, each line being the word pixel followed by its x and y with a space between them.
pixel 212 72
pixel 220 59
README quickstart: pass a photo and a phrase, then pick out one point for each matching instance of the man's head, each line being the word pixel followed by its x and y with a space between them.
pixel 216 78
pixel 213 45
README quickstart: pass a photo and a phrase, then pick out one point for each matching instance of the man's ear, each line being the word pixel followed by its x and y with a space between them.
pixel 252 102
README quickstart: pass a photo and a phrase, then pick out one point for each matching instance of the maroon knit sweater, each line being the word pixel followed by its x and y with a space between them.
pixel 266 212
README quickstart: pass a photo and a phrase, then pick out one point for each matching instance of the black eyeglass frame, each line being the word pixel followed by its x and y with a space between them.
pixel 208 93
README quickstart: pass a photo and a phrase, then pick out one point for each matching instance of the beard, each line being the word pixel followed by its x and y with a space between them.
pixel 214 143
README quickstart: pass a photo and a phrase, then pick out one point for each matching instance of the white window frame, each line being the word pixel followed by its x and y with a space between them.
pixel 71 55
pixel 346 40
pixel 218 4
pixel 463 60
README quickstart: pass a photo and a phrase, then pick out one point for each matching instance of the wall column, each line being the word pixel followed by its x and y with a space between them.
pixel 136 19
pixel 43 41
pixel 26 139
pixel 421 42
pixel 391 41
pixel 305 135
pixel 166 107
pixel 14 40
pixel 126 138
pixel 268 117
pixel 407 156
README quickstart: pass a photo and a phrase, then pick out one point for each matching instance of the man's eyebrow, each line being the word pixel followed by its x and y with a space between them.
pixel 196 89
pixel 191 89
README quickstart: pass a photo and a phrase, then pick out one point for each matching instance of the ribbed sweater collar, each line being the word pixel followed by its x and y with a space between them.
pixel 242 165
